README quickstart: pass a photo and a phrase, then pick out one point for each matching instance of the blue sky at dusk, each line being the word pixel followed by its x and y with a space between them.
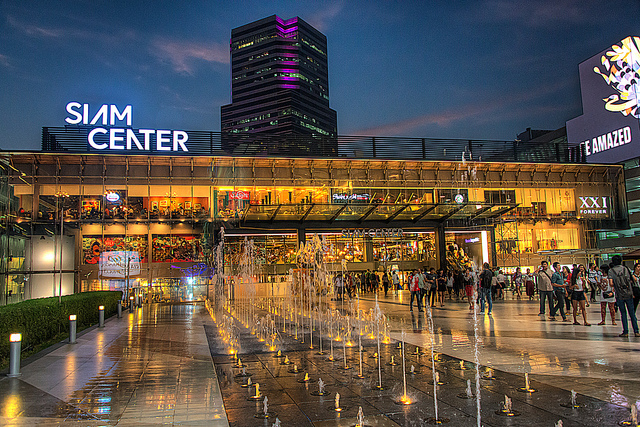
pixel 444 69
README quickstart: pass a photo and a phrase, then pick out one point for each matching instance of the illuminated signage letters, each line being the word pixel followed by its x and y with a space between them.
pixel 373 232
pixel 608 131
pixel 341 198
pixel 123 139
pixel 593 205
pixel 239 195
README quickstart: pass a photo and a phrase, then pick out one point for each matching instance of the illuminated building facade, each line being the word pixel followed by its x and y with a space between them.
pixel 151 221
pixel 279 81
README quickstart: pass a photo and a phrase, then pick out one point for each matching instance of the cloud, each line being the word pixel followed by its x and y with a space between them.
pixel 478 111
pixel 34 30
pixel 180 54
pixel 4 61
pixel 538 13
pixel 321 19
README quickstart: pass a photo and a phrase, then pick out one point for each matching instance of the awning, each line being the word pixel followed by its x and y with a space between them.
pixel 363 212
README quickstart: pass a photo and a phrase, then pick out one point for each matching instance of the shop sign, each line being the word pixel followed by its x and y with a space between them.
pixel 123 139
pixel 119 264
pixel 112 197
pixel 472 240
pixel 373 232
pixel 356 197
pixel 593 205
pixel 239 195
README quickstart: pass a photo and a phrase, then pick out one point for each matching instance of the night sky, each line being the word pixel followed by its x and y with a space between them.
pixel 451 69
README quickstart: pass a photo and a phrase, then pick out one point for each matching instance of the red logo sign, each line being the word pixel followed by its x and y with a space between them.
pixel 239 195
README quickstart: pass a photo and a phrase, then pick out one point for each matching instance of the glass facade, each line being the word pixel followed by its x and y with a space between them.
pixel 151 223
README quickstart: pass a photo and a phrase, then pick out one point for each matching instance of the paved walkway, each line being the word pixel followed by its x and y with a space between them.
pixel 592 360
pixel 152 367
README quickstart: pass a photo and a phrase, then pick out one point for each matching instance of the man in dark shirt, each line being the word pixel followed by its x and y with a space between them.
pixel 558 289
pixel 485 287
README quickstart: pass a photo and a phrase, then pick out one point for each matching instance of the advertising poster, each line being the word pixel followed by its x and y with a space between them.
pixel 608 130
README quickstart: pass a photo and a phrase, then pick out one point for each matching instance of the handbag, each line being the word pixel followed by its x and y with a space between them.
pixel 607 295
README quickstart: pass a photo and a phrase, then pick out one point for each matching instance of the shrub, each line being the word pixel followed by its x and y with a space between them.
pixel 45 319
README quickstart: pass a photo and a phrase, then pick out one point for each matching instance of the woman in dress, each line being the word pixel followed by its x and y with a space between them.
pixel 607 297
pixel 578 282
pixel 518 278
pixel 468 286
pixel 636 277
pixel 529 284
pixel 442 286
pixel 566 275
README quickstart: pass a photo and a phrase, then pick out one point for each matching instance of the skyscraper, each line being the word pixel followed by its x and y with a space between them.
pixel 279 80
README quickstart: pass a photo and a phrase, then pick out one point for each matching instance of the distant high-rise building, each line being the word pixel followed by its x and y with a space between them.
pixel 279 80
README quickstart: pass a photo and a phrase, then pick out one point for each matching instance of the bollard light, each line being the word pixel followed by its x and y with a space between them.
pixel 101 316
pixel 119 307
pixel 14 354
pixel 131 303
pixel 72 328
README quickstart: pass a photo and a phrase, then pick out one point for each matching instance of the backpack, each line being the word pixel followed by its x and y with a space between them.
pixel 485 279
pixel 623 283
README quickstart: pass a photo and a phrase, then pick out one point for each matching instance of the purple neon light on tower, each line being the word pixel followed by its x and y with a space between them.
pixel 266 53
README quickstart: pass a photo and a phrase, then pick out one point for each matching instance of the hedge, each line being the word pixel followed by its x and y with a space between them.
pixel 45 320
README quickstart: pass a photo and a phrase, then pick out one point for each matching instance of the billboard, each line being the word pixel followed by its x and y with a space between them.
pixel 119 264
pixel 609 130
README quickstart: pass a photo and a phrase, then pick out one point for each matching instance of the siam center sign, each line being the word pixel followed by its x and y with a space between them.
pixel 107 136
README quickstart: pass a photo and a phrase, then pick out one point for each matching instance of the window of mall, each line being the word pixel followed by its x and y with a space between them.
pixel 150 223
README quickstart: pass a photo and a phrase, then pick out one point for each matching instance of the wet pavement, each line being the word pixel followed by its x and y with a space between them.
pixel 151 367
pixel 592 360
pixel 167 365
pixel 296 403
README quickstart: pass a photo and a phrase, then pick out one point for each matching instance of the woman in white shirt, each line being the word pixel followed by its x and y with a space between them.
pixel 578 282
pixel 607 297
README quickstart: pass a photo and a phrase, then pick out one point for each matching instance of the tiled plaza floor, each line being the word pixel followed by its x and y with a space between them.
pixel 513 341
pixel 151 367
pixel 154 367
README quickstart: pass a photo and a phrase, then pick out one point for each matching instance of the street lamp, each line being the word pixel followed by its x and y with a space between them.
pixel 60 196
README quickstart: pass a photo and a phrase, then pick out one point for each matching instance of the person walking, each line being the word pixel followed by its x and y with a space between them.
pixel 450 279
pixel 622 281
pixel 502 284
pixel 395 279
pixel 469 284
pixel 415 291
pixel 385 283
pixel 432 287
pixel 594 277
pixel 545 288
pixel 566 276
pixel 518 279
pixel 636 286
pixel 578 287
pixel 442 286
pixel 529 284
pixel 422 284
pixel 557 281
pixel 485 287
pixel 607 297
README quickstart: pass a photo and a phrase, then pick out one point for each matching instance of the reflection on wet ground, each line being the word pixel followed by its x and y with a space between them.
pixel 298 403
pixel 152 366
pixel 590 360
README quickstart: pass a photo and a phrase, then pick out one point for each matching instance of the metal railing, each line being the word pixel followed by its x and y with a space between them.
pixel 74 139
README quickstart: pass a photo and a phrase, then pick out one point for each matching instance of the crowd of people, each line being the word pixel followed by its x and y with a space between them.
pixel 562 290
